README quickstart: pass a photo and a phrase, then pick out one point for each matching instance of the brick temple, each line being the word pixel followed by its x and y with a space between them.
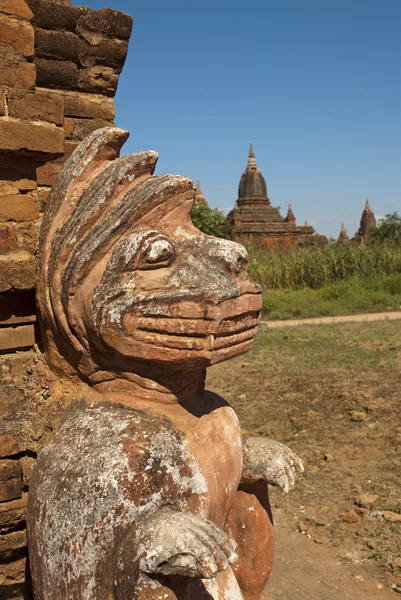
pixel 255 220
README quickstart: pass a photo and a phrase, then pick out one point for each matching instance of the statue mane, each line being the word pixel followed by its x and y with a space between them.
pixel 96 199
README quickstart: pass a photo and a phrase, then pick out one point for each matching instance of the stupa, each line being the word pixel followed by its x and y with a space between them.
pixel 367 226
pixel 255 220
pixel 343 238
pixel 199 197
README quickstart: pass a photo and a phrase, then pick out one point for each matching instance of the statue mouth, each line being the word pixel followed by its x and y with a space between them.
pixel 219 334
pixel 224 330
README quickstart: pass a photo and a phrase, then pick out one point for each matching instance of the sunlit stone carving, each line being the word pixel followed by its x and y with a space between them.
pixel 147 489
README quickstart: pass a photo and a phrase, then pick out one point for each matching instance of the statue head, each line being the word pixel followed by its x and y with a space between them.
pixel 126 279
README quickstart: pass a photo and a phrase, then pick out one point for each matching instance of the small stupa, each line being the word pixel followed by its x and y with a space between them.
pixel 199 197
pixel 343 238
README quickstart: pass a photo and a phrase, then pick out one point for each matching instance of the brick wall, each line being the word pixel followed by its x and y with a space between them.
pixel 59 69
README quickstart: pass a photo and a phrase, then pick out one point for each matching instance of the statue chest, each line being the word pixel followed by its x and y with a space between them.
pixel 216 446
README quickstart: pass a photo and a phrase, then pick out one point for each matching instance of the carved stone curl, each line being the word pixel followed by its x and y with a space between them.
pixel 147 489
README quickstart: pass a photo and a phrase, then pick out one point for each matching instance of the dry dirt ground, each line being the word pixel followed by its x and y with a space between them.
pixel 332 393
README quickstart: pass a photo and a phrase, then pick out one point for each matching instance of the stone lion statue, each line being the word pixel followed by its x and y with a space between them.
pixel 147 490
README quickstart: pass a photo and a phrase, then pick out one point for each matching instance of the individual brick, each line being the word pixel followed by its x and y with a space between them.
pixel 17 308
pixel 18 35
pixel 18 237
pixel 93 23
pixel 13 514
pixel 40 105
pixel 49 15
pixel 10 445
pixel 98 79
pixel 27 235
pixel 16 8
pixel 78 129
pixel 18 207
pixel 20 135
pixel 91 106
pixel 17 271
pixel 15 240
pixel 46 174
pixel 13 338
pixel 17 73
pixel 8 238
pixel 12 544
pixel 10 480
pixel 12 574
pixel 56 74
pixel 108 52
pixel 60 45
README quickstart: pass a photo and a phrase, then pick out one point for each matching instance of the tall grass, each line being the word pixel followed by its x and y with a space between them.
pixel 351 296
pixel 318 267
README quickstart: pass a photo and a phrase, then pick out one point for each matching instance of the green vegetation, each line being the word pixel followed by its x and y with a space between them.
pixel 318 267
pixel 389 228
pixel 345 297
pixel 208 220
pixel 331 281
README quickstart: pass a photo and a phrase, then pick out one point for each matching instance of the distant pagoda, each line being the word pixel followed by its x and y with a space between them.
pixel 255 220
pixel 367 225
pixel 343 238
pixel 199 197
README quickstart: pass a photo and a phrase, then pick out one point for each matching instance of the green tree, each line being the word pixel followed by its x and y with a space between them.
pixel 208 220
pixel 389 228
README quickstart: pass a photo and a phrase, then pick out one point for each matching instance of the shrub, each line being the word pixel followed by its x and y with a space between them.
pixel 208 220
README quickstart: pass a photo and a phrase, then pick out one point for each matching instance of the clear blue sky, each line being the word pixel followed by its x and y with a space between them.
pixel 314 84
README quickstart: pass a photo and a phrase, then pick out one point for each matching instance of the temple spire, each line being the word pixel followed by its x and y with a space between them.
pixel 290 218
pixel 251 158
pixel 199 197
pixel 368 224
pixel 343 237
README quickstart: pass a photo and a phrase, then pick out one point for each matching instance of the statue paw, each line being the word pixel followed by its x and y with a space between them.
pixel 176 543
pixel 271 461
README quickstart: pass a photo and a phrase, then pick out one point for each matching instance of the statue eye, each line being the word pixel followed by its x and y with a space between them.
pixel 156 253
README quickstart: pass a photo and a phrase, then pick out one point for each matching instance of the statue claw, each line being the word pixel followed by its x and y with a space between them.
pixel 199 549
pixel 272 462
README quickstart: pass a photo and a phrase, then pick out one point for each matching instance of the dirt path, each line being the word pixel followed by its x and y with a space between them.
pixel 340 319
pixel 308 571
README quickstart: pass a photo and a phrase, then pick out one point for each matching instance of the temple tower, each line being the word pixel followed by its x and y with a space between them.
pixel 343 237
pixel 368 224
pixel 255 220
pixel 252 185
pixel 199 197
pixel 290 218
